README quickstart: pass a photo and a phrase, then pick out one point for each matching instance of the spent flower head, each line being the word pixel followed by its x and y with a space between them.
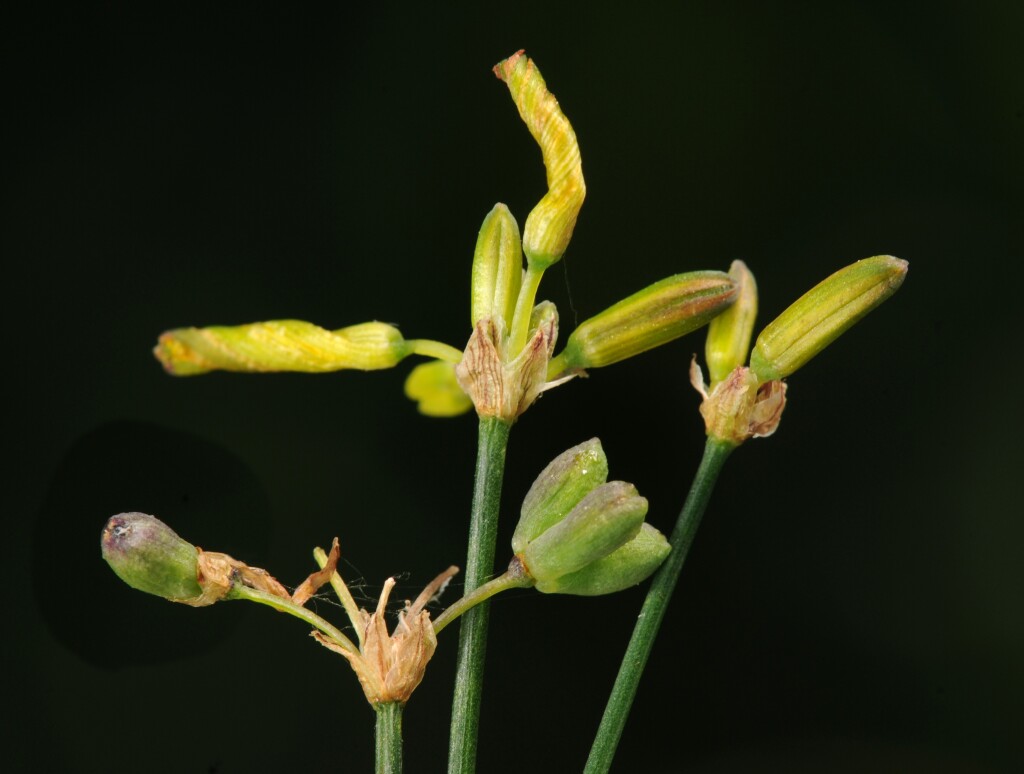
pixel 149 556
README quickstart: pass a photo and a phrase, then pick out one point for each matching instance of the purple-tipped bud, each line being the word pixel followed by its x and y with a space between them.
pixel 149 556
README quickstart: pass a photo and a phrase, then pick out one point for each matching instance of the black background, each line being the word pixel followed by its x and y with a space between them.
pixel 855 599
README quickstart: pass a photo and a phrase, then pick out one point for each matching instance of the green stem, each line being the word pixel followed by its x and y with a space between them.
pixel 655 604
pixel 515 578
pixel 338 584
pixel 483 533
pixel 286 606
pixel 389 737
pixel 435 349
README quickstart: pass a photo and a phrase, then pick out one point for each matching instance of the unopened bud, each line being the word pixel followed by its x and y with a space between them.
pixel 149 556
pixel 823 313
pixel 649 318
pixel 280 345
pixel 549 226
pixel 729 334
pixel 497 267
pixel 626 566
pixel 566 480
pixel 436 390
pixel 605 519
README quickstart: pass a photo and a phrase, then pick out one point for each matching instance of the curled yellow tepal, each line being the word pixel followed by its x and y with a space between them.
pixel 549 225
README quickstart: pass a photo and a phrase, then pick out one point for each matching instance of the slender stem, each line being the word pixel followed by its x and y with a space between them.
pixel 338 584
pixel 557 366
pixel 524 310
pixel 287 606
pixel 483 532
pixel 389 737
pixel 435 349
pixel 655 604
pixel 510 580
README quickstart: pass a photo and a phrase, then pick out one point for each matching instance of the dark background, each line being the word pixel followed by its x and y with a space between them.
pixel 855 599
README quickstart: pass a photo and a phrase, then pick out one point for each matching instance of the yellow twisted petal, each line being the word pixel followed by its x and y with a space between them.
pixel 549 226
pixel 280 345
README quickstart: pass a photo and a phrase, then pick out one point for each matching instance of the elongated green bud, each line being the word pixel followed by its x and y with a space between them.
pixel 606 518
pixel 654 316
pixel 566 480
pixel 149 556
pixel 550 224
pixel 497 267
pixel 280 345
pixel 729 334
pixel 626 566
pixel 823 313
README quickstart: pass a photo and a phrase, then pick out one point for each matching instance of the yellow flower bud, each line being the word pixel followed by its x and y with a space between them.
pixel 497 267
pixel 729 334
pixel 823 313
pixel 436 390
pixel 654 316
pixel 280 345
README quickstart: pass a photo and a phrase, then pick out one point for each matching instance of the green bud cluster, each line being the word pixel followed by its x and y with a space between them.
pixel 580 534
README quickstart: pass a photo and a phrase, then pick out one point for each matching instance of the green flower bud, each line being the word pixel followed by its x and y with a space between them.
pixel 626 566
pixel 654 316
pixel 823 313
pixel 497 267
pixel 729 334
pixel 566 480
pixel 606 518
pixel 149 556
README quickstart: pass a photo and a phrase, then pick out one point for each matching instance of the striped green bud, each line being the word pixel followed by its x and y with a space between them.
pixel 566 480
pixel 626 566
pixel 550 224
pixel 649 318
pixel 823 313
pixel 497 267
pixel 149 556
pixel 280 345
pixel 605 519
pixel 729 334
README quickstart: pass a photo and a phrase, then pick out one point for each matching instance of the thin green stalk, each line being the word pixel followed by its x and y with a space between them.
pixel 655 604
pixel 483 533
pixel 338 584
pixel 287 606
pixel 435 349
pixel 389 737
pixel 510 580
pixel 524 310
